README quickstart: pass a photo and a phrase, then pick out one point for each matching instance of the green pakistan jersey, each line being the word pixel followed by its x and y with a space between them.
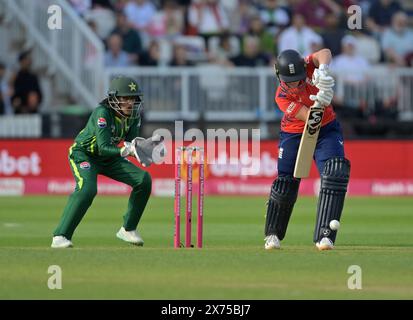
pixel 103 132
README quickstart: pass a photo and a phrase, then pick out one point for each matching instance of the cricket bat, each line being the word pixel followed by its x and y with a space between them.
pixel 308 141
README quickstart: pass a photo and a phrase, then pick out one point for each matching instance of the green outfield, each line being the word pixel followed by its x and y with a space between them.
pixel 376 234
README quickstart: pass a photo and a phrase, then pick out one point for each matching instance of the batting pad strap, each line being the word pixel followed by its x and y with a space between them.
pixel 283 196
pixel 284 188
pixel 337 168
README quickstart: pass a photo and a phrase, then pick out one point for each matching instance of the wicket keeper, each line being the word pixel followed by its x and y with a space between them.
pixel 303 81
pixel 95 151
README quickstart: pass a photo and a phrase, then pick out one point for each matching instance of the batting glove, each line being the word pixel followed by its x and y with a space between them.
pixel 323 96
pixel 322 78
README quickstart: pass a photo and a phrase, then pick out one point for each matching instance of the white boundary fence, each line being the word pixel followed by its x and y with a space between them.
pixel 212 92
pixel 247 94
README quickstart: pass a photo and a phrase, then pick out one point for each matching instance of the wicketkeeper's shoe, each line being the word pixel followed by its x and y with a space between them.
pixel 61 242
pixel 130 236
pixel 272 242
pixel 325 244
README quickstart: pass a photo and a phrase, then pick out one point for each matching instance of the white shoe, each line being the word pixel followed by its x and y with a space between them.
pixel 272 242
pixel 61 242
pixel 130 236
pixel 325 244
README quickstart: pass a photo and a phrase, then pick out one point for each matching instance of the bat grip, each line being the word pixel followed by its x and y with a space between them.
pixel 317 104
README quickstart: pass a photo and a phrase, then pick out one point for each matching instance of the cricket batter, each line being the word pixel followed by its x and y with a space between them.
pixel 95 151
pixel 303 81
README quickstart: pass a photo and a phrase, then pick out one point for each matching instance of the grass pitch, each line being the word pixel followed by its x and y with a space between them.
pixel 376 234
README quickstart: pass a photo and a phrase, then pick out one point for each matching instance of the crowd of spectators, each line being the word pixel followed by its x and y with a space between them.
pixel 244 32
pixel 232 33
pixel 252 33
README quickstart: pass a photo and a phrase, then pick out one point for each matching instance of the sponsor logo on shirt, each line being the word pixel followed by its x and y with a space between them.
pixel 101 122
pixel 85 165
pixel 291 107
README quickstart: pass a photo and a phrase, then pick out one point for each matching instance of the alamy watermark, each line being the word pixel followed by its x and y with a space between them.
pixel 54 22
pixel 223 147
pixel 55 280
pixel 354 282
pixel 355 19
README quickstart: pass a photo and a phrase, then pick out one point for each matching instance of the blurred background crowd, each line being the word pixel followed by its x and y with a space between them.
pixel 236 33
pixel 247 32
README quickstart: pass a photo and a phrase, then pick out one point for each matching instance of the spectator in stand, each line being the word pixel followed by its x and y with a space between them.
pixel 179 57
pixel 332 34
pixel 82 7
pixel 207 17
pixel 5 106
pixel 169 22
pixel 184 3
pixel 140 13
pixel 223 52
pixel 274 16
pixel 27 95
pixel 397 41
pixel 240 17
pixel 131 41
pixel 104 3
pixel 103 17
pixel 380 15
pixel 367 45
pixel 299 37
pixel 119 5
pixel 251 56
pixel 2 91
pixel 348 65
pixel 350 72
pixel 152 56
pixel 115 56
pixel 316 11
pixel 267 40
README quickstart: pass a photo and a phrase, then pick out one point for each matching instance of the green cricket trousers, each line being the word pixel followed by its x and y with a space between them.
pixel 85 170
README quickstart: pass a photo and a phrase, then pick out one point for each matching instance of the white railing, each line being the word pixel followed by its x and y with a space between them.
pixel 74 53
pixel 405 89
pixel 247 94
pixel 21 126
pixel 381 88
pixel 212 92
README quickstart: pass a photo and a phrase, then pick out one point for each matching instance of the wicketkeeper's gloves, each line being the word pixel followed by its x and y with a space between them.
pixel 146 151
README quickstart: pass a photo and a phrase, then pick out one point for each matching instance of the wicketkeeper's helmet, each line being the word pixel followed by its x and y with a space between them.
pixel 125 87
